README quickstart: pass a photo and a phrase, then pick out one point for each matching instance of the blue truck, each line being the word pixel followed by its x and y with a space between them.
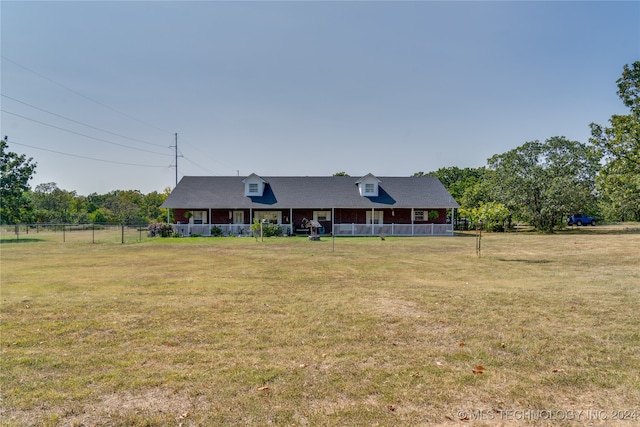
pixel 580 219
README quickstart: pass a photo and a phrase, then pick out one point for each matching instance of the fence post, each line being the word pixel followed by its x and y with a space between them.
pixel 64 235
pixel 122 233
pixel 93 232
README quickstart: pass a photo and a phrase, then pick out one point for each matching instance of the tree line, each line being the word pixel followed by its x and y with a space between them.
pixel 537 183
pixel 540 183
pixel 47 203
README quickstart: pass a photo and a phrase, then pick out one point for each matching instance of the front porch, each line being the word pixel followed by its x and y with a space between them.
pixel 242 230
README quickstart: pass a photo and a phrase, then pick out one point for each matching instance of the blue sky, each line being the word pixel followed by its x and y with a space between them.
pixel 95 91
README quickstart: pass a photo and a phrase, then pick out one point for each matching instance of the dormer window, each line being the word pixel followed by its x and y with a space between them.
pixel 254 186
pixel 368 186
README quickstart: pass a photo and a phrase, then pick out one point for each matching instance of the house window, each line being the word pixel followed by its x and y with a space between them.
pixel 199 217
pixel 419 216
pixel 376 218
pixel 368 186
pixel 253 187
pixel 322 215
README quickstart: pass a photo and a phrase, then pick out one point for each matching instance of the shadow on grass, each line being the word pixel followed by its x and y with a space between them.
pixel 467 233
pixel 604 229
pixel 600 230
pixel 5 240
pixel 526 261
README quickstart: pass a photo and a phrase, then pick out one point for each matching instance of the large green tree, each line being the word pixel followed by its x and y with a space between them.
pixel 150 208
pixel 468 186
pixel 125 206
pixel 543 182
pixel 16 171
pixel 55 205
pixel 619 179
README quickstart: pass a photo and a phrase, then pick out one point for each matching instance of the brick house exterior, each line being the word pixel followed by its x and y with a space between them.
pixel 367 205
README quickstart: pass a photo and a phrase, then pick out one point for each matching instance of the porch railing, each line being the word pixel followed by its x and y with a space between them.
pixel 393 229
pixel 207 230
pixel 338 229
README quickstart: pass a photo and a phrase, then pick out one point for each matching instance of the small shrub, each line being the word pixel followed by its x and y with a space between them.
pixel 160 229
pixel 216 231
pixel 272 230
pixel 268 230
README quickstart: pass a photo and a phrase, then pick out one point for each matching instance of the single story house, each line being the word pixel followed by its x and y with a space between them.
pixel 343 205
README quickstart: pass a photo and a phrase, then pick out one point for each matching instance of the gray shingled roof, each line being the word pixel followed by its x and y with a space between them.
pixel 227 192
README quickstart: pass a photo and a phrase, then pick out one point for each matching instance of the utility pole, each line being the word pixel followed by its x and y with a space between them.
pixel 176 158
pixel 175 146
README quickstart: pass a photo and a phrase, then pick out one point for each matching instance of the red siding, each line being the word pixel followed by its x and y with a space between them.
pixel 221 216
pixel 342 216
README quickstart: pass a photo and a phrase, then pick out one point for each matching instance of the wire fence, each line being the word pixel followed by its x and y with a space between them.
pixel 86 233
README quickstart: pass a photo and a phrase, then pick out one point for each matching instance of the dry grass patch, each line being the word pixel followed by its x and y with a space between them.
pixel 288 332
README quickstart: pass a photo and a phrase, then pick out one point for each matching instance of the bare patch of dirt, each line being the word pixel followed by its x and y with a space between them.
pixel 397 307
pixel 156 406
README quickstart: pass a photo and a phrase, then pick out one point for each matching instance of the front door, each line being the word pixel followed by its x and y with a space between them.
pixel 238 217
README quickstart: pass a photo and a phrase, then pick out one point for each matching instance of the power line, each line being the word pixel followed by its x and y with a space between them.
pixel 201 167
pixel 82 95
pixel 80 123
pixel 87 158
pixel 204 156
pixel 83 135
pixel 90 126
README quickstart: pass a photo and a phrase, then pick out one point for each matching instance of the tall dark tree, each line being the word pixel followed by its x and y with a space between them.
pixel 619 180
pixel 150 208
pixel 53 204
pixel 16 171
pixel 543 182
pixel 125 206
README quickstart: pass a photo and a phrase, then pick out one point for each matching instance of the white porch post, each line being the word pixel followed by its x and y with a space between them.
pixel 412 216
pixel 373 221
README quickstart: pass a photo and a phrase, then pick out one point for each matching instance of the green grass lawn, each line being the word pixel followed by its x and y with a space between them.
pixel 360 331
